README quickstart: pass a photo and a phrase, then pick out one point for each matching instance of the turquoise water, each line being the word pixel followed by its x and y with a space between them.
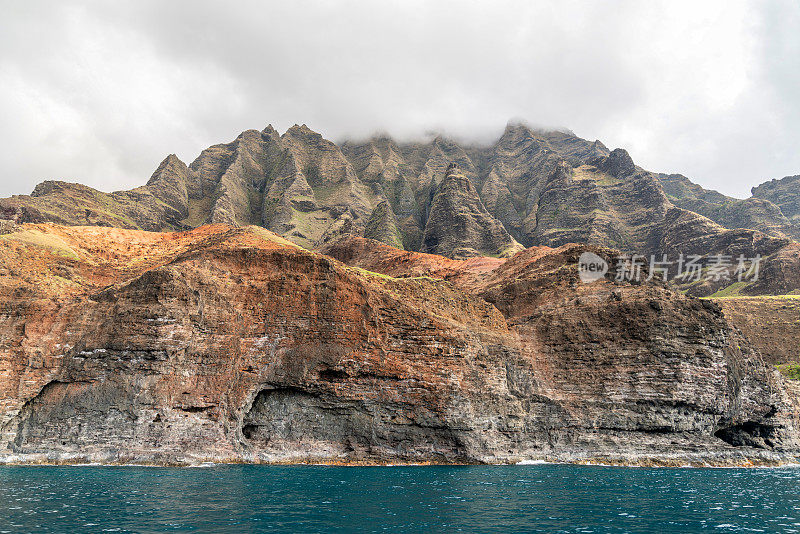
pixel 532 498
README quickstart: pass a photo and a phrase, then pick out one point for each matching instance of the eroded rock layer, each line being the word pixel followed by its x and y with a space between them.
pixel 233 344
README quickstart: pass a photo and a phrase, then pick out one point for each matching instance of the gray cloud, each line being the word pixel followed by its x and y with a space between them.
pixel 100 92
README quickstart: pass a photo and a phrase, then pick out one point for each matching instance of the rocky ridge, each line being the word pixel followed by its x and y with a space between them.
pixel 784 193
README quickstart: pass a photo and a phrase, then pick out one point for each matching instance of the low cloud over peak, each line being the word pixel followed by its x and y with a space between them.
pixel 99 92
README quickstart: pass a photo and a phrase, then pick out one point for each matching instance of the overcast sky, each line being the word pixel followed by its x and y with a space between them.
pixel 100 92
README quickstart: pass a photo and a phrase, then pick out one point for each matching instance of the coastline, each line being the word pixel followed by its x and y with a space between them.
pixel 720 459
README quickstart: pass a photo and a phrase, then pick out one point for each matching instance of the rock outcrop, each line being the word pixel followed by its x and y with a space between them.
pixel 233 344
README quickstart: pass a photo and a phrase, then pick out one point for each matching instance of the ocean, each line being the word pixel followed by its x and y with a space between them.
pixel 503 499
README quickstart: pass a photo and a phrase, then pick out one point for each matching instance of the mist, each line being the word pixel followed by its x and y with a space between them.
pixel 100 92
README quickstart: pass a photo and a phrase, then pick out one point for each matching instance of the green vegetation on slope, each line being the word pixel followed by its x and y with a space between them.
pixel 790 370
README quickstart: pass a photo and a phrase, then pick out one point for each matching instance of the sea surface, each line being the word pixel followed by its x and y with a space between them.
pixel 523 498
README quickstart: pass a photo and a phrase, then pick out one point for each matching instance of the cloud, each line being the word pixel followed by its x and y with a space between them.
pixel 100 92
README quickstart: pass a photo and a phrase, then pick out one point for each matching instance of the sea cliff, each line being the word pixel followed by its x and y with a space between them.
pixel 233 344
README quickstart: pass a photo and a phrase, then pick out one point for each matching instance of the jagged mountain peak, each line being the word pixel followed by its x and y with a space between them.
pixel 250 134
pixel 516 130
pixel 455 177
pixel 517 126
pixel 459 226
pixel 170 161
pixel 301 130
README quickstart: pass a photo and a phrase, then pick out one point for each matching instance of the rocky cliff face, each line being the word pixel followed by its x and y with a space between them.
pixel 770 324
pixel 531 187
pixel 234 344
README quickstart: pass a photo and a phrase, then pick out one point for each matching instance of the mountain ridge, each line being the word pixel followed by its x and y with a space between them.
pixel 531 187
